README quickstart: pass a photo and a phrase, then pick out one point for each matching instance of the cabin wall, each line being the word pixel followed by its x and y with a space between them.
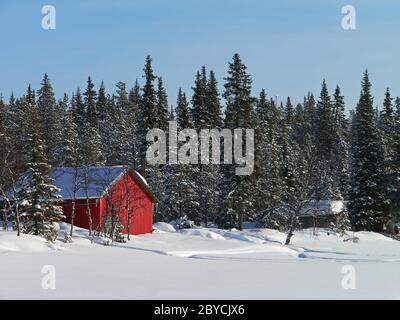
pixel 324 221
pixel 126 194
pixel 81 218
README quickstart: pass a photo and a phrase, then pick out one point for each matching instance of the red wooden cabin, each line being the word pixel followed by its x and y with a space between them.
pixel 106 191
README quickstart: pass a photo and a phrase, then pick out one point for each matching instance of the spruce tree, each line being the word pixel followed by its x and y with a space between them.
pixel 387 134
pixel 121 136
pixel 213 103
pixel 325 124
pixel 162 106
pixel 70 142
pixel 236 191
pixel 179 194
pixel 101 105
pixel 90 104
pixel 344 224
pixel 268 185
pixel 289 112
pixel 40 206
pixel 395 165
pixel 18 130
pixel 368 201
pixel 79 112
pixel 325 145
pixel 182 111
pixel 91 148
pixel 48 118
pixel 340 156
pixel 199 109
pixel 148 107
pixel 132 119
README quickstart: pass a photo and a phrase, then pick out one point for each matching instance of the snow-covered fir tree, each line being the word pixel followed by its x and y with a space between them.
pixel 148 107
pixel 368 199
pixel 49 119
pixel 39 199
pixel 236 191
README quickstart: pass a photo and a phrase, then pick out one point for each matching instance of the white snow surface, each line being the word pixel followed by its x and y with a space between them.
pixel 163 227
pixel 201 263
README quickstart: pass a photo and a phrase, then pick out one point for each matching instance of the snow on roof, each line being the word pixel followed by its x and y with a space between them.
pixel 141 178
pixel 323 207
pixel 89 182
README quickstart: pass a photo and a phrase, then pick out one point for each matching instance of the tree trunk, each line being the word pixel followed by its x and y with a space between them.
pixel 240 217
pixel 89 214
pixel 291 229
pixel 17 220
pixel 129 223
pixel 5 217
pixel 72 217
pixel 289 236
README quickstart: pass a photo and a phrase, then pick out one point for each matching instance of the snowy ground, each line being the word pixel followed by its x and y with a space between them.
pixel 202 264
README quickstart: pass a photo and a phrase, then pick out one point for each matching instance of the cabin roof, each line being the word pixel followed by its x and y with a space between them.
pixel 92 182
pixel 322 208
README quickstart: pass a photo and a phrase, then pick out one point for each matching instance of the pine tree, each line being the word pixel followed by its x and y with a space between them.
pixel 340 157
pixel 289 113
pixel 325 144
pixel 70 142
pixel 148 105
pixel 213 103
pixel 134 97
pixel 395 165
pixel 2 118
pixel 18 112
pixel 180 188
pixel 48 118
pixel 171 114
pixel 103 120
pixel 162 106
pixel 3 146
pixel 90 104
pixel 79 112
pixel 310 116
pixel 343 225
pixel 387 134
pixel 368 203
pixel 325 121
pixel 91 148
pixel 387 125
pixel 268 185
pixel 101 105
pixel 40 207
pixel 199 110
pixel 182 111
pixel 110 148
pixel 121 136
pixel 236 191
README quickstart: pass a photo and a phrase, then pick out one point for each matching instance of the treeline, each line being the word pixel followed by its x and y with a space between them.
pixel 304 152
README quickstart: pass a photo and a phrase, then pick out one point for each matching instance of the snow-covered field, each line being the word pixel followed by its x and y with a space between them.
pixel 202 264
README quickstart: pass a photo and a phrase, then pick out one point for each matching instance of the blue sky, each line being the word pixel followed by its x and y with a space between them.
pixel 289 46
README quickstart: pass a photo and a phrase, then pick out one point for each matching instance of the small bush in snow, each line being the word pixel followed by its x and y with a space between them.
pixel 343 225
pixel 119 237
pixel 67 237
